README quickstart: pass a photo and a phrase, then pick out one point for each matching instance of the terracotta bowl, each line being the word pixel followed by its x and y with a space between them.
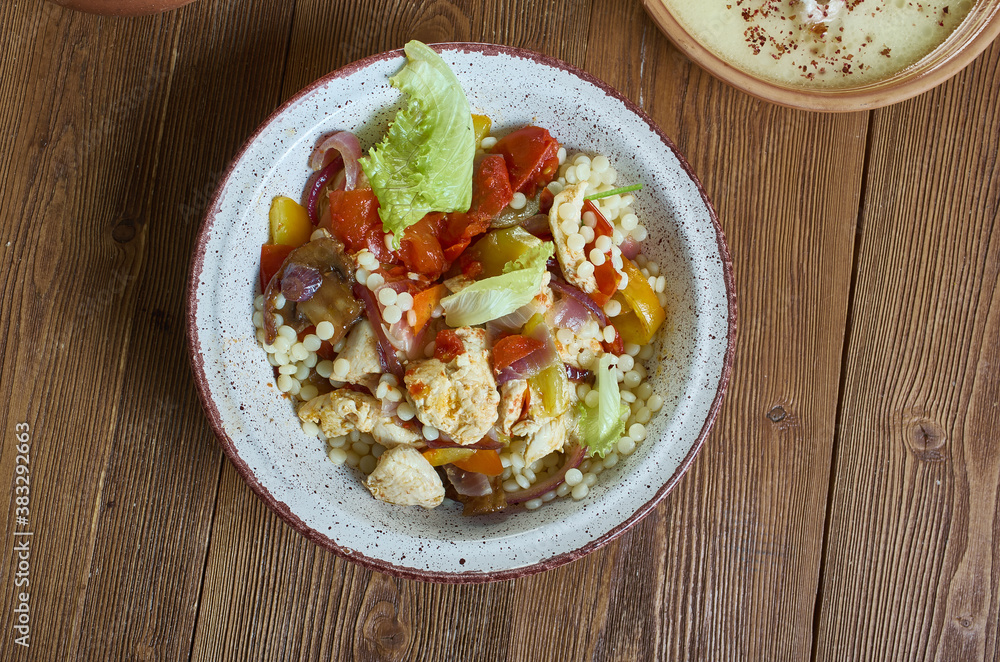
pixel 289 470
pixel 969 39
pixel 122 7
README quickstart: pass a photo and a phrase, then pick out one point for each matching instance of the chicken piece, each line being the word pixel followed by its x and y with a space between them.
pixel 338 412
pixel 550 435
pixel 404 477
pixel 459 397
pixel 361 351
pixel 512 395
pixel 570 259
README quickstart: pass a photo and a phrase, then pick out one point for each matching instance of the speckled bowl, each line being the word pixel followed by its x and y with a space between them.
pixel 257 427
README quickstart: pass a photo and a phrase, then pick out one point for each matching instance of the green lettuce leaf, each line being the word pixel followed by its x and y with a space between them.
pixel 424 163
pixel 602 426
pixel 492 298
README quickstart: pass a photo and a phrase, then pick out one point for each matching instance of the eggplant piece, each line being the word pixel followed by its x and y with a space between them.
pixel 333 301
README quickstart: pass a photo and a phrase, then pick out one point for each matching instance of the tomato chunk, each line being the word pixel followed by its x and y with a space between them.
pixel 447 345
pixel 491 193
pixel 420 250
pixel 354 219
pixel 272 256
pixel 532 158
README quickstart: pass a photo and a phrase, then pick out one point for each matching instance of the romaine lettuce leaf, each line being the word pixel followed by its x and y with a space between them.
pixel 602 426
pixel 492 298
pixel 424 163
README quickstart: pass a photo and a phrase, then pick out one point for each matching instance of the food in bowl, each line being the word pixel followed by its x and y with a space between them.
pixel 811 44
pixel 460 314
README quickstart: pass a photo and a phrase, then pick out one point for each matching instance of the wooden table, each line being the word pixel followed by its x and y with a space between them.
pixel 845 506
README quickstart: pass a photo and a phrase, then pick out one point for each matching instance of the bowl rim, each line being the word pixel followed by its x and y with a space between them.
pixel 833 100
pixel 193 343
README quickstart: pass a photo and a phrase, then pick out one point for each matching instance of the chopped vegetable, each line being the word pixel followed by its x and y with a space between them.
pixel 492 298
pixel 272 256
pixel 354 219
pixel 601 427
pixel 642 314
pixel 424 163
pixel 290 223
pixel 481 124
pixel 424 303
pixel 498 247
pixel 485 462
pixel 605 274
pixel 531 156
pixel 441 456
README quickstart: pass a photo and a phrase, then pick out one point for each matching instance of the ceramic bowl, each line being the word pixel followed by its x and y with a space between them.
pixel 979 28
pixel 289 470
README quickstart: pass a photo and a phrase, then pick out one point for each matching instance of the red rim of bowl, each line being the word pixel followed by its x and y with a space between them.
pixel 282 509
pixel 920 77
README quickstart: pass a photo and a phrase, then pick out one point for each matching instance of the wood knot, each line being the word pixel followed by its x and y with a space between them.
pixel 124 231
pixel 925 438
pixel 965 622
pixel 385 632
pixel 777 414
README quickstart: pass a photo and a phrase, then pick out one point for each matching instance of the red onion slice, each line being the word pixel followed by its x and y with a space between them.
pixel 563 287
pixel 538 225
pixel 568 313
pixel 530 365
pixel 318 185
pixel 300 282
pixel 386 353
pixel 573 459
pixel 630 248
pixel 468 483
pixel 347 144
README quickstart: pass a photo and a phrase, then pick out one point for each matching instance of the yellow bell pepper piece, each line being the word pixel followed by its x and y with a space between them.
pixel 481 124
pixel 642 313
pixel 290 225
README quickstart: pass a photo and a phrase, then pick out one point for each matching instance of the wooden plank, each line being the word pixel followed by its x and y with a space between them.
pixel 733 556
pixel 113 179
pixel 284 598
pixel 78 119
pixel 911 570
pixel 229 61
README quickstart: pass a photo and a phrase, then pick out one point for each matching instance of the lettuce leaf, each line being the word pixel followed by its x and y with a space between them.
pixel 602 426
pixel 492 298
pixel 424 163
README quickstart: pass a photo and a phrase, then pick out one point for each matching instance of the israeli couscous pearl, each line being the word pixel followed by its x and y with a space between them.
pixel 518 201
pixel 488 142
pixel 533 504
pixel 367 464
pixel 574 477
pixel 337 455
pixel 655 403
pixel 374 281
pixel 308 392
pixel 626 445
pixel 341 367
pixel 392 313
pixel 575 242
pixel 580 491
pixel 430 433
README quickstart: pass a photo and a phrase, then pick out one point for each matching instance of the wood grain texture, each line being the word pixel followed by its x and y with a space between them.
pixel 742 533
pixel 913 568
pixel 148 545
pixel 620 596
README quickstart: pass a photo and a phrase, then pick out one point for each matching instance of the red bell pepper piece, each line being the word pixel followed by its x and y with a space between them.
pixel 272 256
pixel 605 274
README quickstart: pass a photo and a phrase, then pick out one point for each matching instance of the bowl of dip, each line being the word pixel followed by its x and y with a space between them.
pixel 841 55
